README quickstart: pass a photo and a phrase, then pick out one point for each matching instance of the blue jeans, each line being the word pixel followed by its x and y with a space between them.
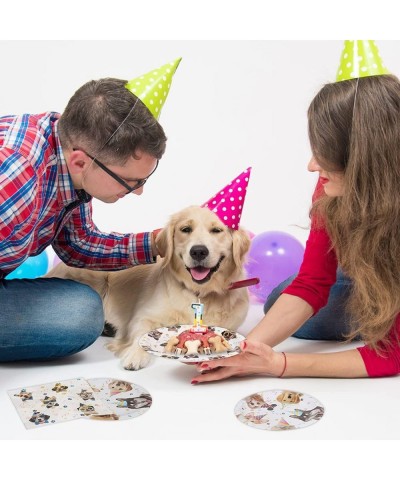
pixel 47 318
pixel 332 321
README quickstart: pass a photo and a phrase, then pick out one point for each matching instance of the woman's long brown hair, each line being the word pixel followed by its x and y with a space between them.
pixel 354 128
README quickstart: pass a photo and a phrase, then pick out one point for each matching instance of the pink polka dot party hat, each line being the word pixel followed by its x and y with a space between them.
pixel 227 204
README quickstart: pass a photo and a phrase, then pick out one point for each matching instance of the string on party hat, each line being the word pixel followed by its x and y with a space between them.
pixel 153 87
pixel 360 58
pixel 228 203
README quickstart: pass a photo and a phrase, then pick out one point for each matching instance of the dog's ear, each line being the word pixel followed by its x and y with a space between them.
pixel 241 244
pixel 165 241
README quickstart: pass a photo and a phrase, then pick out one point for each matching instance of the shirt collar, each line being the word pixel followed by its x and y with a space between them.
pixel 66 191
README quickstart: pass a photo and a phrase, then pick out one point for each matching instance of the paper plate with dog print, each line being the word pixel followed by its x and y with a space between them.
pixel 279 410
pixel 179 343
pixel 123 399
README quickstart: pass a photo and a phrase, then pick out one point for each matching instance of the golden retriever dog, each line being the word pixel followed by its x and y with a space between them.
pixel 201 258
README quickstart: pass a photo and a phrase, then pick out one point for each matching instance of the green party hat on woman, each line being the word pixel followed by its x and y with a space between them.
pixel 360 58
pixel 152 88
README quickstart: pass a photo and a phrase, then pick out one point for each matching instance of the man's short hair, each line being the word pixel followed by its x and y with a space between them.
pixel 101 108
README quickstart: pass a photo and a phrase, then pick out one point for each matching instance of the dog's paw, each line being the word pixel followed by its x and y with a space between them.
pixel 135 359
pixel 114 346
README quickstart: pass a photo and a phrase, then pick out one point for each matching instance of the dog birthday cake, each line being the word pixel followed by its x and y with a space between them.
pixel 198 339
pixel 191 342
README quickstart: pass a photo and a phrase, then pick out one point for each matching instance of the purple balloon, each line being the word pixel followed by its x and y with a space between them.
pixel 56 261
pixel 273 257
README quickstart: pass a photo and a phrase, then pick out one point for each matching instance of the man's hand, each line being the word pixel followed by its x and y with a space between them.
pixel 154 246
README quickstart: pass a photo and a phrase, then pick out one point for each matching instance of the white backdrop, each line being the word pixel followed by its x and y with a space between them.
pixel 232 104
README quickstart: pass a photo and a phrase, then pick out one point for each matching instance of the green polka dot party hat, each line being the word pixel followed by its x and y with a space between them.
pixel 360 58
pixel 153 87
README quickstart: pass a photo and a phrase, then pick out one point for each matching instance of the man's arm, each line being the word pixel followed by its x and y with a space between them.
pixel 81 244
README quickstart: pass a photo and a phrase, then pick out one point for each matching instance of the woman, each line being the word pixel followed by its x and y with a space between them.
pixel 354 131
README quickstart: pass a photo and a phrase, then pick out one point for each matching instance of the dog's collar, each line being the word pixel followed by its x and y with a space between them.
pixel 234 285
pixel 244 283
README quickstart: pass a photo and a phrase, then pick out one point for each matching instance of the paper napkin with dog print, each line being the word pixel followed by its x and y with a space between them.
pixel 57 402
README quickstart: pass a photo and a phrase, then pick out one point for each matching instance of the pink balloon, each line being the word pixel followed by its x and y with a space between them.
pixel 273 257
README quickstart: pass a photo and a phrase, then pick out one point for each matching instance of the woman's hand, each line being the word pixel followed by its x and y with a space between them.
pixel 256 359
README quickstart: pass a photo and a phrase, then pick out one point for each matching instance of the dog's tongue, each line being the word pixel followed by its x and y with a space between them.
pixel 199 273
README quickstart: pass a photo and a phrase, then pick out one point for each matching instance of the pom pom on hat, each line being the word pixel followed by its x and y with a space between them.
pixel 228 203
pixel 153 87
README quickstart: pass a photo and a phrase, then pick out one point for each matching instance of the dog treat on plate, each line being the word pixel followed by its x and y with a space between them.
pixel 198 338
pixel 189 342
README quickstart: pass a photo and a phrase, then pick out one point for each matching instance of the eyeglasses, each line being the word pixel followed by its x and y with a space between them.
pixel 139 182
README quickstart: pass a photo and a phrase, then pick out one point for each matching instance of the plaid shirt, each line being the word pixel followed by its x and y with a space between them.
pixel 39 205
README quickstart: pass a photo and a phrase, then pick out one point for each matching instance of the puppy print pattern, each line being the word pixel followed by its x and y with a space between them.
pixel 86 395
pixel 279 410
pixel 49 403
pixel 142 401
pixel 59 388
pixel 125 399
pixel 156 341
pixel 39 418
pixel 73 399
pixel 24 395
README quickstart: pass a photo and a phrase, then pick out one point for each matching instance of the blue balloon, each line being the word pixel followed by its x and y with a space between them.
pixel 33 267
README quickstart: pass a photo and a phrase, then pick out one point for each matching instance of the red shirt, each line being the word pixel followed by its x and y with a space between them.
pixel 316 276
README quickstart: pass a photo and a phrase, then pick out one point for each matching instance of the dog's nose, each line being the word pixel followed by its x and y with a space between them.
pixel 199 252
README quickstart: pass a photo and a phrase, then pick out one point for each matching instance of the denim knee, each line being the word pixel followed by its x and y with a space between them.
pixel 84 310
pixel 332 322
pixel 47 318
pixel 274 295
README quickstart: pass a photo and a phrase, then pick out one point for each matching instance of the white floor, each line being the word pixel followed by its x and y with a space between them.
pixel 355 409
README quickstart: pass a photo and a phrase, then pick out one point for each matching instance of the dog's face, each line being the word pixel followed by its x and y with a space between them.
pixel 289 397
pixel 38 418
pixel 203 253
pixel 255 401
pixel 118 386
pixel 59 388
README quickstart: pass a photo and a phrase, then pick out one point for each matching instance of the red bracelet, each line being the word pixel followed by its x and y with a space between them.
pixel 284 366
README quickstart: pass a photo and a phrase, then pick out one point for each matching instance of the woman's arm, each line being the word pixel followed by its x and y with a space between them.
pixel 284 318
pixel 347 364
pixel 259 359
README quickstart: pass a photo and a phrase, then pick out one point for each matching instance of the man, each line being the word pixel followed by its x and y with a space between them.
pixel 106 144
